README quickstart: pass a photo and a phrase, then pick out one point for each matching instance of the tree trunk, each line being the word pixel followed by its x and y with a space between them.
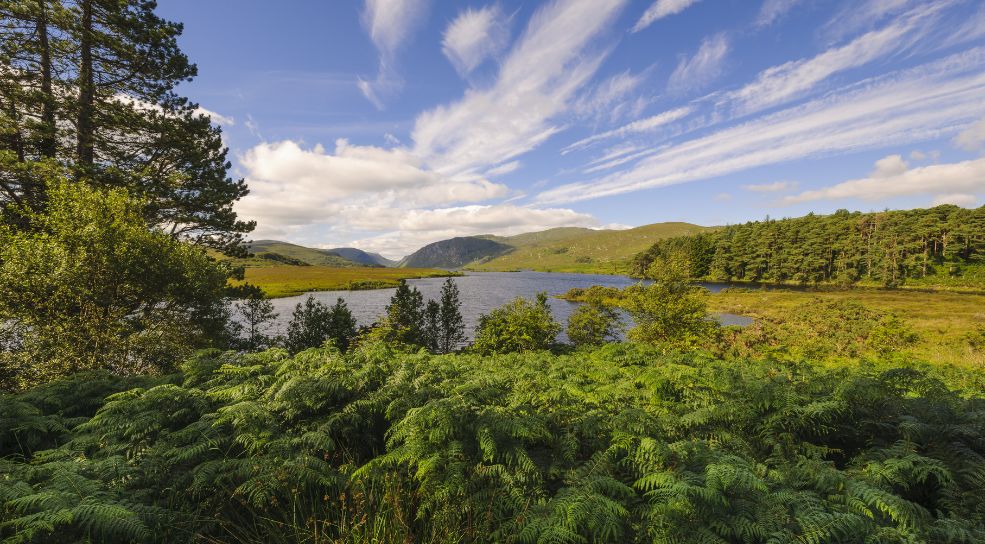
pixel 47 145
pixel 86 91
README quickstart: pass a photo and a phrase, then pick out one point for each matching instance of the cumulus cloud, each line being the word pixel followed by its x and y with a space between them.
pixel 892 178
pixel 475 36
pixel 972 138
pixel 774 10
pixel 701 69
pixel 537 82
pixel 661 9
pixel 775 187
pixel 291 186
pixel 918 104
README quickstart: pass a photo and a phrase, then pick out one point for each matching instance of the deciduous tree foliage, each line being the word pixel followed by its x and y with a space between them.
pixel 87 285
pixel 622 444
pixel 943 244
pixel 518 326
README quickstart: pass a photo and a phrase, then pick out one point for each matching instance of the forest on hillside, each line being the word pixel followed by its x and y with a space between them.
pixel 942 245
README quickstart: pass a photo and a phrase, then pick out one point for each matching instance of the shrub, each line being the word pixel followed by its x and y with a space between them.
pixel 593 324
pixel 518 326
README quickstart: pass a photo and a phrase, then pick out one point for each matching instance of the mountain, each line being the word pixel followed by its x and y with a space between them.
pixel 362 257
pixel 455 253
pixel 287 253
pixel 581 250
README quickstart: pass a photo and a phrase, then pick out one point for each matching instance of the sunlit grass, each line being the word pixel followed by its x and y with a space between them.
pixel 943 320
pixel 286 281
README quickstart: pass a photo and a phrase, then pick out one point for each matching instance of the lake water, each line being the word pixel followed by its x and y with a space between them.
pixel 481 292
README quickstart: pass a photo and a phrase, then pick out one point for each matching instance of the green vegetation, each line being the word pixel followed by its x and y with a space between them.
pixel 285 281
pixel 581 250
pixel 313 324
pixel 86 285
pixel 621 444
pixel 518 326
pixel 89 85
pixel 436 326
pixel 940 247
pixel 593 324
pixel 272 250
pixel 454 253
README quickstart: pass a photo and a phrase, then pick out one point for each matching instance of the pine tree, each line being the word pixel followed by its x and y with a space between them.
pixel 257 315
pixel 405 316
pixel 432 327
pixel 452 328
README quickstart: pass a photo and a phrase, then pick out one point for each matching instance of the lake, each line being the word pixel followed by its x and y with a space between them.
pixel 481 292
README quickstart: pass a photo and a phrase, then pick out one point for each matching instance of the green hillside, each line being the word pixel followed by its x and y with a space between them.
pixel 581 250
pixel 270 250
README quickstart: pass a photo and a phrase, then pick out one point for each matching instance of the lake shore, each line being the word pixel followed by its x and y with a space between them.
pixel 288 281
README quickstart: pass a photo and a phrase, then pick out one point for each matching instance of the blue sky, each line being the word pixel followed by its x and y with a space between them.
pixel 389 124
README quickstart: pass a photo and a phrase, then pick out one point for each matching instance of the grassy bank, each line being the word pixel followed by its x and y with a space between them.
pixel 942 320
pixel 286 281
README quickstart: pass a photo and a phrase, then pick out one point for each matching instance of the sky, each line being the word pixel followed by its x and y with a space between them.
pixel 389 124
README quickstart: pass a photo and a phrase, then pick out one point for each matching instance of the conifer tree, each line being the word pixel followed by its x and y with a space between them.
pixel 405 316
pixel 452 326
pixel 314 323
pixel 257 316
pixel 432 326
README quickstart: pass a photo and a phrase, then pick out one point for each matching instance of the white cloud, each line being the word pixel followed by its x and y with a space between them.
pixel 217 118
pixel 919 104
pixel 773 10
pixel 608 100
pixel 504 168
pixel 407 231
pixel 771 187
pixel 648 124
pixel 699 70
pixel 973 137
pixel 787 81
pixel 889 180
pixel 723 197
pixel 291 186
pixel 390 23
pixel 536 84
pixel 957 199
pixel 475 36
pixel 862 15
pixel 890 166
pixel 661 9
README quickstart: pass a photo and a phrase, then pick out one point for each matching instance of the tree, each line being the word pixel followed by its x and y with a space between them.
pixel 91 84
pixel 452 329
pixel 517 326
pixel 593 324
pixel 256 315
pixel 314 323
pixel 670 310
pixel 87 285
pixel 432 326
pixel 405 320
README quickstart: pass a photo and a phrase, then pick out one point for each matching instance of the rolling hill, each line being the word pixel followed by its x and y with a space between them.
pixel 455 253
pixel 580 250
pixel 362 257
pixel 287 253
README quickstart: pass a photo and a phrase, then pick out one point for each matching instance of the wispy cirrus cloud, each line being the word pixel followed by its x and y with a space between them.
pixel 537 83
pixel 791 80
pixel 475 36
pixel 390 23
pixel 702 68
pixel 660 9
pixel 640 126
pixel 773 10
pixel 922 103
pixel 774 187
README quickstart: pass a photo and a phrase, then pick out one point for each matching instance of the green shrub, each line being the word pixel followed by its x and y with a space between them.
pixel 518 326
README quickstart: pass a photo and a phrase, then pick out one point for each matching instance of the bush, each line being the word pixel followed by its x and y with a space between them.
pixel 518 326
pixel 593 324
pixel 314 323
pixel 87 285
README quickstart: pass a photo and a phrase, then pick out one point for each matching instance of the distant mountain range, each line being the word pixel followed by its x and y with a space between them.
pixel 455 253
pixel 362 257
pixel 565 249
